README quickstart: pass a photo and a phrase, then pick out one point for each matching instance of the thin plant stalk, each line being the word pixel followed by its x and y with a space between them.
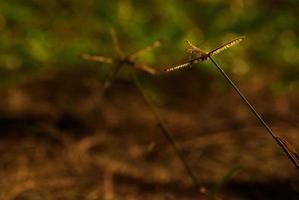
pixel 175 146
pixel 290 155
pixel 111 76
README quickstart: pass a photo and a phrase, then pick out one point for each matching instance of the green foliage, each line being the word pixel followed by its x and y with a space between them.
pixel 35 34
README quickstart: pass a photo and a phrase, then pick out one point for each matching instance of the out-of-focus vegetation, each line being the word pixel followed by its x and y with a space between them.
pixel 38 34
pixel 64 136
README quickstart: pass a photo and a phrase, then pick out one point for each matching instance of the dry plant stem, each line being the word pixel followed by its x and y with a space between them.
pixel 168 135
pixel 142 51
pixel 289 150
pixel 122 60
pixel 110 78
pixel 116 45
pixel 276 138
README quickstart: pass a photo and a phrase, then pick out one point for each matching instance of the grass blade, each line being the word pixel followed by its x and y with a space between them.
pixel 227 177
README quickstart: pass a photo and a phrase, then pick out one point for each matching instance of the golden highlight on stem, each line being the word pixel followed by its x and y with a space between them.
pixel 201 55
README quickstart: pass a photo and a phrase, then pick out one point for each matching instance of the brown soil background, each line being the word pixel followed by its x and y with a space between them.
pixel 61 139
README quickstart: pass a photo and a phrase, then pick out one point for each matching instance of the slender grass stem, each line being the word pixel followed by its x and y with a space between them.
pixel 175 146
pixel 258 116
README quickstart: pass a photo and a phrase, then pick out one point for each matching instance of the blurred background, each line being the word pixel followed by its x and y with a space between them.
pixel 63 138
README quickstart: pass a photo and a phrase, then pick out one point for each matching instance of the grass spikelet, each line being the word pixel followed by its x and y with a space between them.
pixel 226 46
